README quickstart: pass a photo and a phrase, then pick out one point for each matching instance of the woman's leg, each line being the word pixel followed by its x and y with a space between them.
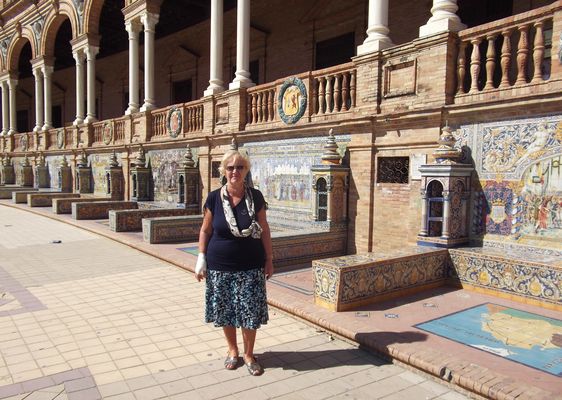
pixel 230 336
pixel 249 337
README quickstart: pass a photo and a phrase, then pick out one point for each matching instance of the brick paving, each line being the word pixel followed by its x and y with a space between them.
pixel 83 317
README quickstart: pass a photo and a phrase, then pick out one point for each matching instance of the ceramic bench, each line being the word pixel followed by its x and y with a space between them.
pixel 131 220
pixel 99 209
pixel 347 282
pixel 6 191
pixel 46 199
pixel 64 206
pixel 297 248
pixel 20 196
pixel 532 276
pixel 182 228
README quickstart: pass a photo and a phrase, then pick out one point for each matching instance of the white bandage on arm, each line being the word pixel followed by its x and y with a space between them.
pixel 201 265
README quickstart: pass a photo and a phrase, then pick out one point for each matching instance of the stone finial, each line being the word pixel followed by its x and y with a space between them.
pixel 331 155
pixel 6 160
pixel 141 157
pixel 26 161
pixel 188 158
pixel 233 144
pixel 446 152
pixel 113 163
pixel 83 162
pixel 64 163
pixel 41 159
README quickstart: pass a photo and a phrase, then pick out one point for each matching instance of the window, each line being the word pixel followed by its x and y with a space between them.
pixel 393 169
pixel 335 51
pixel 182 91
pixel 322 199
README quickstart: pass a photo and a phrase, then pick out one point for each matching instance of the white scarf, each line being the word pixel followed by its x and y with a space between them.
pixel 254 229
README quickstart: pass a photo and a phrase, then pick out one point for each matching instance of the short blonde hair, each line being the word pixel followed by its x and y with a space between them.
pixel 229 155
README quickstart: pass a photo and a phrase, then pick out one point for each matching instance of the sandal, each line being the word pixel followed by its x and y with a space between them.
pixel 254 367
pixel 231 363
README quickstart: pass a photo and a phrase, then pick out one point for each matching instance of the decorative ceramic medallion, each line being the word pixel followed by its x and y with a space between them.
pixel 174 122
pixel 292 100
pixel 107 133
pixel 60 138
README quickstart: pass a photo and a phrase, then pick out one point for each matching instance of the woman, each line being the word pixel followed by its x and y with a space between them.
pixel 235 243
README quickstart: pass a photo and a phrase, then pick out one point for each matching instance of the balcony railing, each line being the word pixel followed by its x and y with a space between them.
pixel 334 89
pixel 191 120
pixel 507 53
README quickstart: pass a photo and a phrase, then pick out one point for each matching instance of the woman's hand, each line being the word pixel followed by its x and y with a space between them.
pixel 268 269
pixel 201 267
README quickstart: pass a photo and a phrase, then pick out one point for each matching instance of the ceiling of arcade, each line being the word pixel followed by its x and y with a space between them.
pixel 57 27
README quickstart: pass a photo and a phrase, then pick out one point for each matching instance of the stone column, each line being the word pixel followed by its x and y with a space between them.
pixel 242 78
pixel 149 21
pixel 47 71
pixel 443 18
pixel 79 57
pixel 216 82
pixel 12 85
pixel 133 28
pixel 446 214
pixel 424 227
pixel 38 99
pixel 91 52
pixel 377 30
pixel 5 108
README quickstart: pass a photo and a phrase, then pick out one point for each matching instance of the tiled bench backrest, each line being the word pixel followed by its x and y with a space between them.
pixel 131 220
pixel 524 277
pixel 184 228
pixel 99 209
pixel 20 196
pixel 46 199
pixel 301 247
pixel 347 282
pixel 6 191
pixel 64 206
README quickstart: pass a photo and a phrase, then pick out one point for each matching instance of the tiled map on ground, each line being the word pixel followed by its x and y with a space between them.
pixel 523 337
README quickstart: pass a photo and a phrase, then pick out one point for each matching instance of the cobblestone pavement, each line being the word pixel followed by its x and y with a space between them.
pixel 83 317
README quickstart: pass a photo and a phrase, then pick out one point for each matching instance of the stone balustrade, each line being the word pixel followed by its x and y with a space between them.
pixel 506 54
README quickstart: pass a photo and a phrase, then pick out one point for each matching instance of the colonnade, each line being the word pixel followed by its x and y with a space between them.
pixel 85 48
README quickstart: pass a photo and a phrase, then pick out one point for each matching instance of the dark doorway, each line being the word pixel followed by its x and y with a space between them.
pixel 335 51
pixel 478 12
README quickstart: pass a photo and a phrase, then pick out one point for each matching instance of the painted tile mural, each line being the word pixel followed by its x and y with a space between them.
pixel 518 185
pixel 164 165
pixel 281 169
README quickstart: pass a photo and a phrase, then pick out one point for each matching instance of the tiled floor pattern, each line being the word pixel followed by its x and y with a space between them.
pixel 111 322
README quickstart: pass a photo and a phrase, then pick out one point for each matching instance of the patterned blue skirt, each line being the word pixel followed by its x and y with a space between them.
pixel 236 298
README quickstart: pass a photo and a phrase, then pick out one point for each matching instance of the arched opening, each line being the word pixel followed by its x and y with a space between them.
pixel 63 61
pixel 181 191
pixel 135 186
pixel 24 100
pixel 108 182
pixel 435 209
pixel 113 36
